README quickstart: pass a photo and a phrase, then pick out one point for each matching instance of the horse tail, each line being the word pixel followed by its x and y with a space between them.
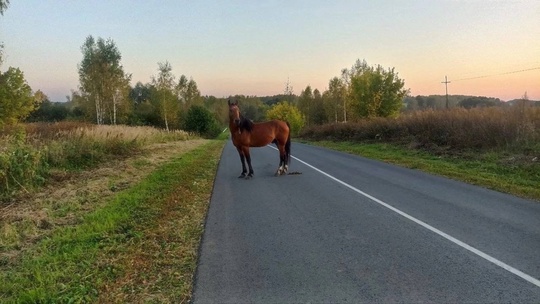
pixel 288 144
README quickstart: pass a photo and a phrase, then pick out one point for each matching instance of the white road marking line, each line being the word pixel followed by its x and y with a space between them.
pixel 452 239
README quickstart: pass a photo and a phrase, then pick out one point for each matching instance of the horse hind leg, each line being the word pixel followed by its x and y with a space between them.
pixel 283 167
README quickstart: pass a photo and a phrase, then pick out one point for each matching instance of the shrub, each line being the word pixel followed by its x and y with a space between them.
pixel 289 113
pixel 28 152
pixel 201 121
pixel 21 166
pixel 456 130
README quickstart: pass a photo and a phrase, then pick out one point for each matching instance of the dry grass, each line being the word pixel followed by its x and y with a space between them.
pixel 31 153
pixel 137 246
pixel 32 216
pixel 42 133
pixel 449 131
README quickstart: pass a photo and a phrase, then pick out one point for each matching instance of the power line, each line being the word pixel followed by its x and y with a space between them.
pixel 504 73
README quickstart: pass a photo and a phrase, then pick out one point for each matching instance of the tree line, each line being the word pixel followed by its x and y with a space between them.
pixel 105 96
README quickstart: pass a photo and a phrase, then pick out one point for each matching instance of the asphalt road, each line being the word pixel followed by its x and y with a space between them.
pixel 350 229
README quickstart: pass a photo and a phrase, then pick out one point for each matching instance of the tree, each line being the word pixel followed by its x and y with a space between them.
pixel 375 92
pixel 3 6
pixel 145 105
pixel 47 110
pixel 1 53
pixel 335 99
pixel 188 93
pixel 305 102
pixel 318 112
pixel 474 102
pixel 16 99
pixel 200 120
pixel 104 84
pixel 288 92
pixel 289 113
pixel 165 85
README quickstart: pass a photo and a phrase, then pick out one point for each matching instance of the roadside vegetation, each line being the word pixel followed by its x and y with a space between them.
pixel 31 154
pixel 495 147
pixel 130 236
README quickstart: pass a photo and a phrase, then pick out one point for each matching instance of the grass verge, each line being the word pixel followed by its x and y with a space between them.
pixel 490 170
pixel 140 247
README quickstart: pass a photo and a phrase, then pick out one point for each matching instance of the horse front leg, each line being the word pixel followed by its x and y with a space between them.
pixel 248 159
pixel 242 160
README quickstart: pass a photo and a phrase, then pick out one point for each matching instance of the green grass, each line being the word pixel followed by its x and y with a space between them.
pixel 83 263
pixel 487 169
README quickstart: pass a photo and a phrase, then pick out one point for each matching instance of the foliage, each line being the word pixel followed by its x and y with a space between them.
pixel 169 108
pixel 16 100
pixel 305 102
pixel 21 165
pixel 446 131
pixel 200 120
pixel 48 111
pixel 104 84
pixel 27 155
pixel 374 91
pixel 252 108
pixel 75 262
pixel 310 103
pixel 335 100
pixel 289 113
pixel 473 102
pixel 3 6
pixel 1 53
pixel 188 93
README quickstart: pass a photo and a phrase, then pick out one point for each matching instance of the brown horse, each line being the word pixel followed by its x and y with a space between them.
pixel 246 134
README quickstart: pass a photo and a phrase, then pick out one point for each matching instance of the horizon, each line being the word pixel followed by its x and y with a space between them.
pixel 486 48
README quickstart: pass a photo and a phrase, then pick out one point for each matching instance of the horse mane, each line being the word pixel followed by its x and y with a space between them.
pixel 245 124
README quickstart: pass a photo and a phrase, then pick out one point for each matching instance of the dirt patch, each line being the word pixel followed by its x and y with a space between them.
pixel 69 196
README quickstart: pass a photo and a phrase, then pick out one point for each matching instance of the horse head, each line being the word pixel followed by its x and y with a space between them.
pixel 234 112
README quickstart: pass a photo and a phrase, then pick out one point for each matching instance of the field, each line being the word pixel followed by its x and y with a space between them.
pixel 85 232
pixel 498 148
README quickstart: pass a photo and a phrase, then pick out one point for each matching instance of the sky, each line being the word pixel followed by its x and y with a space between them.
pixel 485 47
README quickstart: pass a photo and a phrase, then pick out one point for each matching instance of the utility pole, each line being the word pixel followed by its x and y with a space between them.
pixel 446 82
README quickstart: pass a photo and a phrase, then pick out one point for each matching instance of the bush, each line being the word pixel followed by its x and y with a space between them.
pixel 28 152
pixel 289 113
pixel 21 166
pixel 201 121
pixel 456 130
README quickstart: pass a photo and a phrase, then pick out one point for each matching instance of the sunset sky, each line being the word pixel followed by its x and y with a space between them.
pixel 486 48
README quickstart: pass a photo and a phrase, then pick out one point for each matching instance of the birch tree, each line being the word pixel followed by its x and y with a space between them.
pixel 102 78
pixel 165 86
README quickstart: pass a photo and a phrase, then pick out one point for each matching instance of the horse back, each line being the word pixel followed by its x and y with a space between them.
pixel 267 132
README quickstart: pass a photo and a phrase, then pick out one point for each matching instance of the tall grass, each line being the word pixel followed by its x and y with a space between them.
pixel 29 152
pixel 450 131
pixel 140 246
